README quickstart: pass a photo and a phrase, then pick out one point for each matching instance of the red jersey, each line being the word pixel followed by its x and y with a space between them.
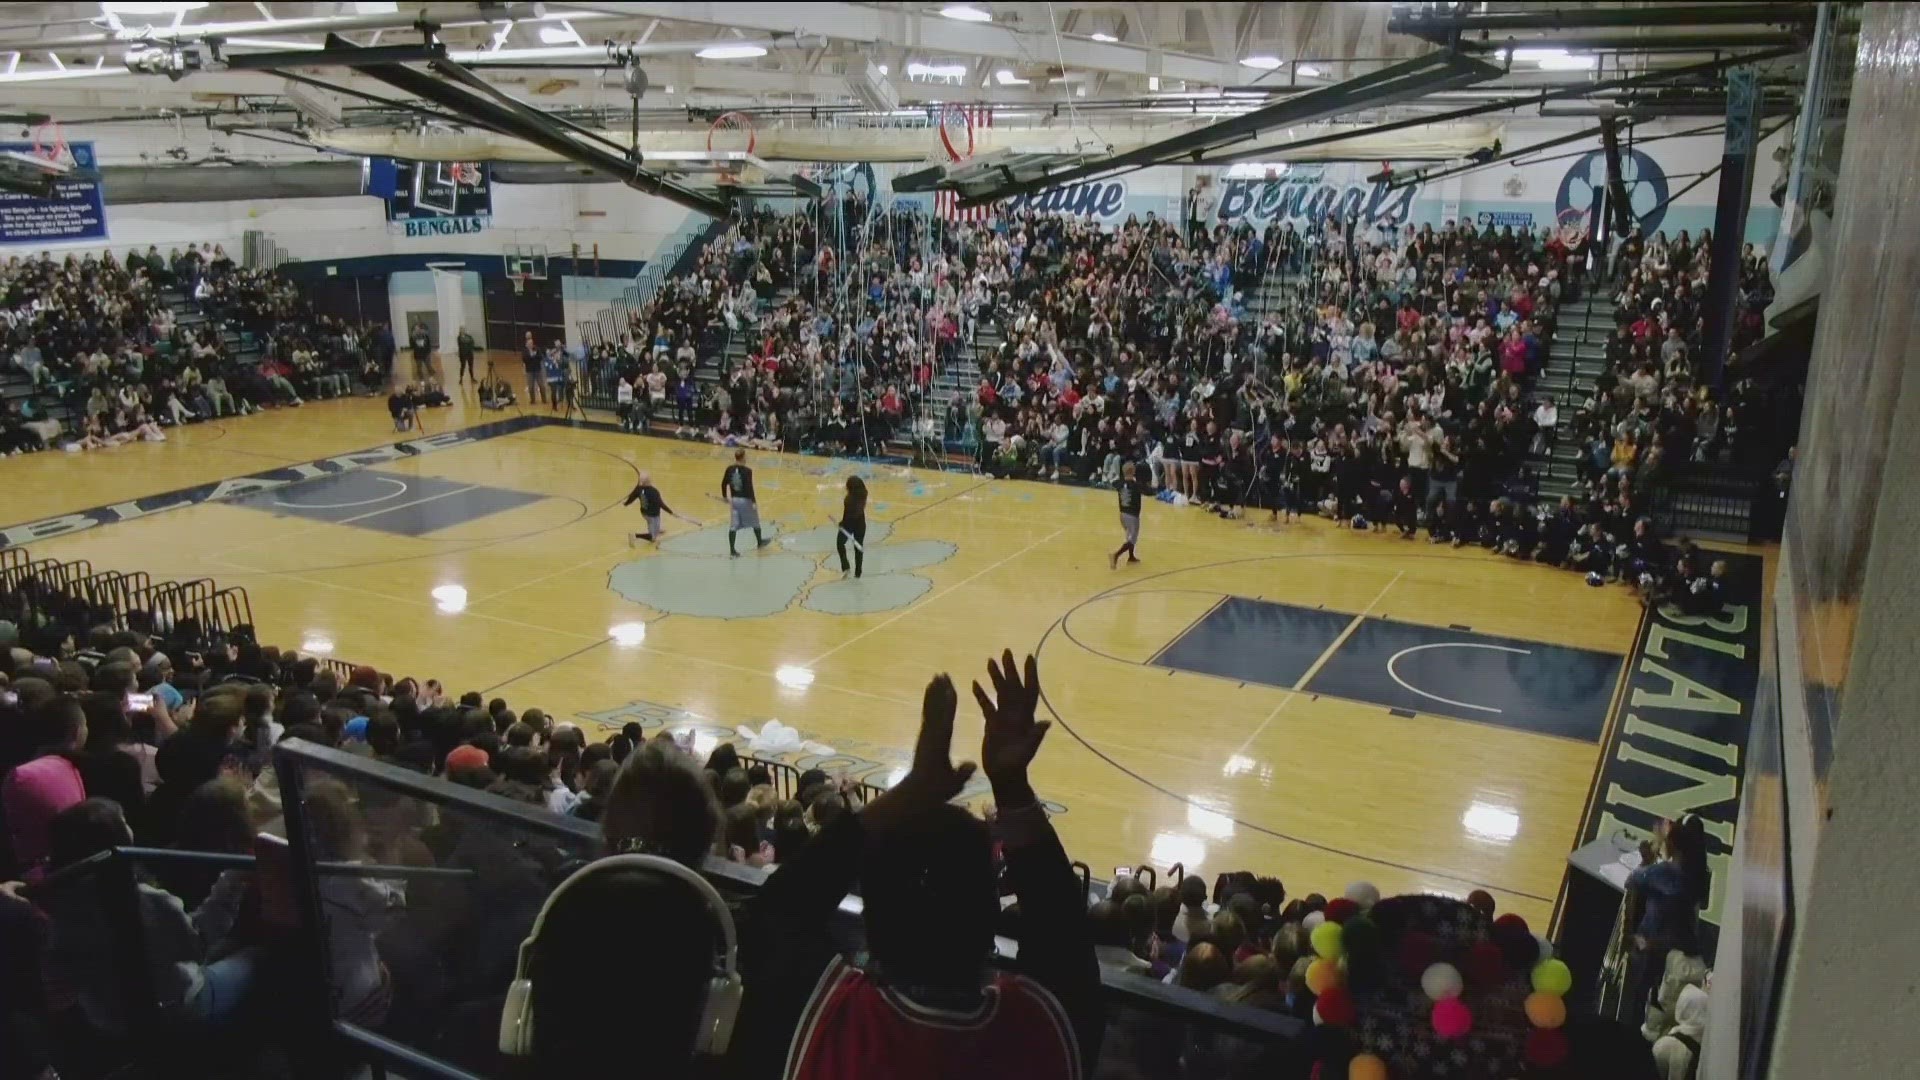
pixel 855 1028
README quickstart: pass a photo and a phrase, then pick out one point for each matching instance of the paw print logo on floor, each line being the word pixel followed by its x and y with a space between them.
pixel 693 575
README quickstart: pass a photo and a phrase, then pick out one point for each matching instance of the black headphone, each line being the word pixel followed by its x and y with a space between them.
pixel 723 991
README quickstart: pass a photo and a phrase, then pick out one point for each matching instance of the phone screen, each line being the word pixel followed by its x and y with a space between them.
pixel 1122 871
pixel 139 702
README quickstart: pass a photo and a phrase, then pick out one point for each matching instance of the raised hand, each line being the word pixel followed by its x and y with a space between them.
pixel 1012 736
pixel 933 778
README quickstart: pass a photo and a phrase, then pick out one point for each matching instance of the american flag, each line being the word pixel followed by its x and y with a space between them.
pixel 946 204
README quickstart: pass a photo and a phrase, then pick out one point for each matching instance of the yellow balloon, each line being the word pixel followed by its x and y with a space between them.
pixel 1326 940
pixel 1322 974
pixel 1366 1067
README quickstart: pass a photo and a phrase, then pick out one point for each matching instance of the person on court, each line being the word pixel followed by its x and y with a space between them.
pixel 1129 490
pixel 463 345
pixel 853 526
pixel 736 486
pixel 651 507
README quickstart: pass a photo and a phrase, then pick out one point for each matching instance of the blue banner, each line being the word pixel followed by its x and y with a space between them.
pixel 77 210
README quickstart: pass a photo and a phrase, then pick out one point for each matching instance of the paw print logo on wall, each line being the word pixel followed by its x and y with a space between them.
pixel 1644 179
pixel 692 575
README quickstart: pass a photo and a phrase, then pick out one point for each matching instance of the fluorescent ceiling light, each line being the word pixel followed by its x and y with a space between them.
pixel 937 71
pixel 1007 78
pixel 966 13
pixel 1153 82
pixel 793 677
pixel 884 70
pixel 1263 63
pixel 563 34
pixel 1105 37
pixel 115 8
pixel 1538 54
pixel 731 52
pixel 374 7
pixel 1569 63
pixel 1308 71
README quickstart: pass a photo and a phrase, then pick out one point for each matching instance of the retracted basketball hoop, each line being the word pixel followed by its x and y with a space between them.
pixel 956 132
pixel 50 143
pixel 1572 226
pixel 730 132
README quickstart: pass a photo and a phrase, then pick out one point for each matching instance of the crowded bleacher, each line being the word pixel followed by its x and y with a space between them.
pixel 102 350
pixel 1386 378
pixel 119 726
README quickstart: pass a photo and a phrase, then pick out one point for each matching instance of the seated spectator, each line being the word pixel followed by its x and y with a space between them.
pixel 49 782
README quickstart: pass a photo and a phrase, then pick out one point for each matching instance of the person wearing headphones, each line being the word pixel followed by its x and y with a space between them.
pixel 682 988
pixel 927 1005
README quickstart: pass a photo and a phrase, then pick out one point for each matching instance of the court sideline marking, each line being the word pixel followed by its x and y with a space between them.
pixel 1320 661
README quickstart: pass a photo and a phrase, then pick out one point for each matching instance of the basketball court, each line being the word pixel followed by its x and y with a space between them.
pixel 1304 701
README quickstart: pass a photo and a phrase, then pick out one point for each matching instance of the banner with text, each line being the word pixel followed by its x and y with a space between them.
pixel 76 211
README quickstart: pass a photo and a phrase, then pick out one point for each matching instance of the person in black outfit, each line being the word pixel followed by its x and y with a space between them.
pixel 422 343
pixel 1406 509
pixel 651 507
pixel 532 359
pixel 464 346
pixel 1129 491
pixel 853 526
pixel 736 486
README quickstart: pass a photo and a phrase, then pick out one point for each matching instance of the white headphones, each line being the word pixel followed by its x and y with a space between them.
pixel 723 991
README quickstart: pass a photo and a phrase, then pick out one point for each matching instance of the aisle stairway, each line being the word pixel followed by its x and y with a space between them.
pixel 1575 358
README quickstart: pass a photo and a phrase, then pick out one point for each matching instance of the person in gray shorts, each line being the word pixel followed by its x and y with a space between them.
pixel 736 486
pixel 1129 491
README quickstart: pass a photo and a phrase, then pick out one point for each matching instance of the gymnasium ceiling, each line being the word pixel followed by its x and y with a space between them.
pixel 1134 62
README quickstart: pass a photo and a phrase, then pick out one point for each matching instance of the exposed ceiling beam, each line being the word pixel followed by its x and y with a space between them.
pixel 932 34
pixel 1400 82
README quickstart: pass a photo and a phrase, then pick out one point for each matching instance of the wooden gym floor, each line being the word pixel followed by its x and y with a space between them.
pixel 1302 701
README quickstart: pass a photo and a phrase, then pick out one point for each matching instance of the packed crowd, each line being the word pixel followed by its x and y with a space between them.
pixel 92 334
pixel 1390 381
pixel 105 740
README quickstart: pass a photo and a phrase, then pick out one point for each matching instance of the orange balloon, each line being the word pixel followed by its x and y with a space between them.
pixel 1546 1010
pixel 1366 1067
pixel 1322 974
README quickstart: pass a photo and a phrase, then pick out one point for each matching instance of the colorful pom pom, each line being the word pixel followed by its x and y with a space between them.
pixel 1546 1047
pixel 1546 948
pixel 1313 920
pixel 1366 1067
pixel 1441 981
pixel 1510 921
pixel 1417 950
pixel 1451 1018
pixel 1322 975
pixel 1486 965
pixel 1481 901
pixel 1326 940
pixel 1553 977
pixel 1546 1010
pixel 1340 910
pixel 1363 893
pixel 1335 1008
